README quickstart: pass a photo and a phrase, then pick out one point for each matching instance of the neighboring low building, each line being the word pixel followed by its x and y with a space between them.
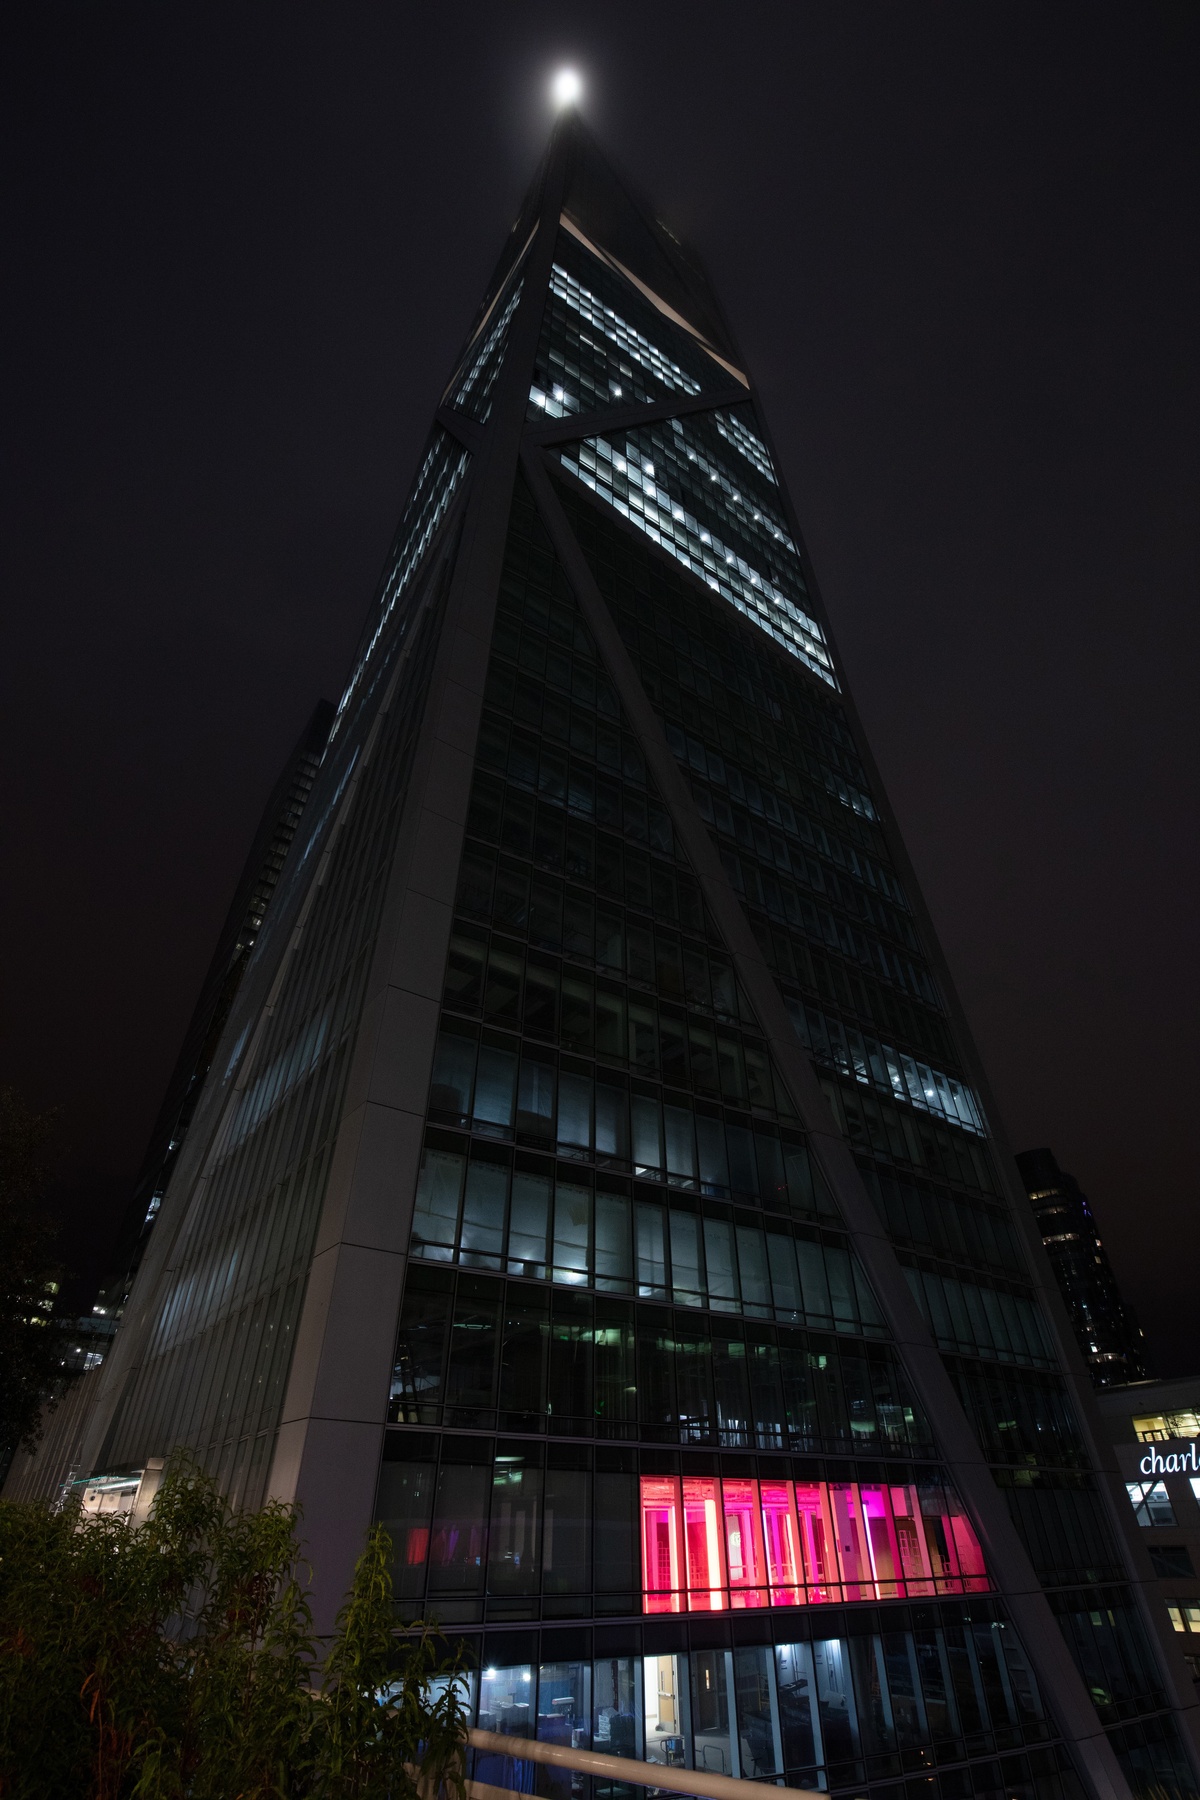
pixel 1106 1328
pixel 1155 1428
pixel 44 1473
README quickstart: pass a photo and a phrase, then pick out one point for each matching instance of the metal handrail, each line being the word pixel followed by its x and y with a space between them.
pixel 636 1774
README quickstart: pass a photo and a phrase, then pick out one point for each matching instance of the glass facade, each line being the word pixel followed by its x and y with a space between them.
pixel 621 1238
pixel 218 1342
pixel 646 1435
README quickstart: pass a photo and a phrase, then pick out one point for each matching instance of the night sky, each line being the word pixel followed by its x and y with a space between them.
pixel 958 245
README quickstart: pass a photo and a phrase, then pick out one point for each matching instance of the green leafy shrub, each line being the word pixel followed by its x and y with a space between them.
pixel 175 1661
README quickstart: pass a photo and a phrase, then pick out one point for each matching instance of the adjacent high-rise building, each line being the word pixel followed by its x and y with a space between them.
pixel 243 922
pixel 594 1180
pixel 45 1472
pixel 1109 1337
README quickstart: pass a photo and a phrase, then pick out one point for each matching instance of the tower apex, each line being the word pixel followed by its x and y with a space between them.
pixel 566 88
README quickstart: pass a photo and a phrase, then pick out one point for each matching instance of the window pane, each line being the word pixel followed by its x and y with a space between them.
pixel 566 1542
pixel 535 1100
pixel 484 1207
pixel 456 1554
pixel 651 1254
pixel 530 1216
pixel 575 1112
pixel 614 1261
pixel 495 1087
pixel 572 1231
pixel 403 1507
pixel 453 1069
pixel 515 1532
pixel 435 1217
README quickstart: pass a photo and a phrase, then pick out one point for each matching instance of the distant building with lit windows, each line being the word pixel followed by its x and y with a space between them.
pixel 1105 1327
pixel 595 1181
pixel 1154 1427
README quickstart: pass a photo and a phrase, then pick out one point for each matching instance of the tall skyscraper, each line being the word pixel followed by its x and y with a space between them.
pixel 594 1180
pixel 1109 1337
pixel 243 922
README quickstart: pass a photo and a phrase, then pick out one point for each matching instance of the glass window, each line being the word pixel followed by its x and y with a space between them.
pixel 495 1087
pixel 617 1719
pixel 514 1537
pixel 566 1545
pixel 529 1220
pixel 564 1716
pixel 667 1732
pixel 798 1722
pixel 711 1679
pixel 453 1072
pixel 713 1544
pixel 485 1210
pixel 651 1253
pixel 572 1233
pixel 1156 1428
pixel 506 1704
pixel 404 1506
pixel 686 1272
pixel 459 1531
pixel 614 1259
pixel 1150 1502
pixel 435 1215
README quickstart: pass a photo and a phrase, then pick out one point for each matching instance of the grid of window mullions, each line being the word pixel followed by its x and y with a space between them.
pixel 782 851
pixel 938 1221
pixel 477 1352
pixel 970 1313
pixel 722 783
pixel 876 1064
pixel 748 442
pixel 763 889
pixel 1020 1416
pixel 548 1223
pixel 487 364
pixel 204 1352
pixel 580 389
pixel 679 442
pixel 637 498
pixel 438 480
pixel 622 335
pixel 763 709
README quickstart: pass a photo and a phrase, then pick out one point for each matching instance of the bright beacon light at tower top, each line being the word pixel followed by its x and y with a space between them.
pixel 566 88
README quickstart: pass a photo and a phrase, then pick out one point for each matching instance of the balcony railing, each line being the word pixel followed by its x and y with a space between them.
pixel 624 1769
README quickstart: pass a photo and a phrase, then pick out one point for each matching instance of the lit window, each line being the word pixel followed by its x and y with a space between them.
pixel 437 483
pixel 751 446
pixel 474 392
pixel 1150 1502
pixel 1184 1615
pixel 1156 1428
pixel 654 511
pixel 618 332
pixel 710 1545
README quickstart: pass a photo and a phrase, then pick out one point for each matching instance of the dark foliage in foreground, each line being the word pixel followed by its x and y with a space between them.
pixel 175 1661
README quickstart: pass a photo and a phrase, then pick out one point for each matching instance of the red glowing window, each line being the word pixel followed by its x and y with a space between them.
pixel 709 1544
pixel 661 1561
pixel 745 1555
pixel 702 1533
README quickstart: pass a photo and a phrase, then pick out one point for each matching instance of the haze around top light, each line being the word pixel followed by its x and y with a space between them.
pixel 566 88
